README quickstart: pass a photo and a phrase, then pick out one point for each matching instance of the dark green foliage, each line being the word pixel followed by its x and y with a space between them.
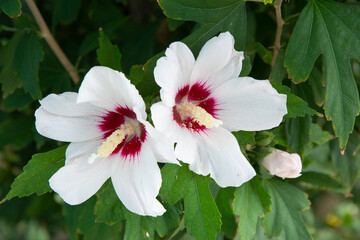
pixel 333 32
pixel 37 173
pixel 317 67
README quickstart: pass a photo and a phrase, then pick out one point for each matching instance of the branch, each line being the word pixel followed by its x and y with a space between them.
pixel 52 42
pixel 280 24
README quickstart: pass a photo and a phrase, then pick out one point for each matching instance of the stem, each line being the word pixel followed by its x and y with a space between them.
pixel 280 24
pixel 178 229
pixel 45 32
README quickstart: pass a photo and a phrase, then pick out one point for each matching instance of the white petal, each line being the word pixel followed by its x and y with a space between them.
pixel 249 104
pixel 80 149
pixel 185 150
pixel 65 104
pixel 173 71
pixel 77 182
pixel 137 183
pixel 66 129
pixel 162 147
pixel 163 120
pixel 218 154
pixel 107 88
pixel 218 61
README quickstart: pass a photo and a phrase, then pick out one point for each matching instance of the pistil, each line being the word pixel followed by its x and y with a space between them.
pixel 198 114
pixel 111 142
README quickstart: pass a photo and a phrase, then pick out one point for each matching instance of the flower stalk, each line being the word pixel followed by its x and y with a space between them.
pixel 45 32
pixel 279 27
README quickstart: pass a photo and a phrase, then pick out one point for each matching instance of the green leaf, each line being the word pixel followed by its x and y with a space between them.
pixel 278 71
pixel 295 105
pixel 317 84
pixel 21 129
pixel 244 137
pixel 318 136
pixel 140 227
pixel 224 200
pixel 16 101
pixel 266 55
pixel 174 24
pixel 65 11
pixel 72 214
pixel 251 203
pixel 92 230
pixel 11 7
pixel 91 41
pixel 298 134
pixel 322 180
pixel 202 218
pixel 332 29
pixel 136 229
pixel 347 164
pixel 136 74
pixel 168 175
pixel 36 175
pixel 8 78
pixel 286 204
pixel 28 55
pixel 263 1
pixel 214 17
pixel 246 67
pixel 108 208
pixel 168 222
pixel 108 55
pixel 148 86
pixel 264 138
pixel 53 76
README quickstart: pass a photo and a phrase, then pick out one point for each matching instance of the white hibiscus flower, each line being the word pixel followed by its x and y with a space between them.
pixel 106 125
pixel 203 100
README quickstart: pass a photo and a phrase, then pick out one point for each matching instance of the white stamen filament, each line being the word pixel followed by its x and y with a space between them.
pixel 199 115
pixel 111 142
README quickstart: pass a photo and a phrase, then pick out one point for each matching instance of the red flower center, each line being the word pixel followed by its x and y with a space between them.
pixel 194 109
pixel 132 136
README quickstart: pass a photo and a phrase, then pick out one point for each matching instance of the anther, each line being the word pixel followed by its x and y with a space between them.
pixel 111 142
pixel 199 115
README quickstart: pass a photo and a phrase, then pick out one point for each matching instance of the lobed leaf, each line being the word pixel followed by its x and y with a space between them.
pixel 251 203
pixel 347 163
pixel 28 56
pixel 65 11
pixel 11 7
pixel 321 180
pixel 16 101
pixel 318 136
pixel 202 218
pixel 332 29
pixel 214 17
pixel 295 105
pixel 36 175
pixel 8 78
pixel 298 134
pixel 108 55
pixel 21 129
pixel 108 208
pixel 224 201
pixel 286 204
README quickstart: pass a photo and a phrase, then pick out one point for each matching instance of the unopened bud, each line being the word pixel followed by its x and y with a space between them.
pixel 283 164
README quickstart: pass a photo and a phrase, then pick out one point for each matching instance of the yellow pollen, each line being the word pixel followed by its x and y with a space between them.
pixel 114 140
pixel 199 115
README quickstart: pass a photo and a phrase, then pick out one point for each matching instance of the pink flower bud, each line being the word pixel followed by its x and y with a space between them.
pixel 283 164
